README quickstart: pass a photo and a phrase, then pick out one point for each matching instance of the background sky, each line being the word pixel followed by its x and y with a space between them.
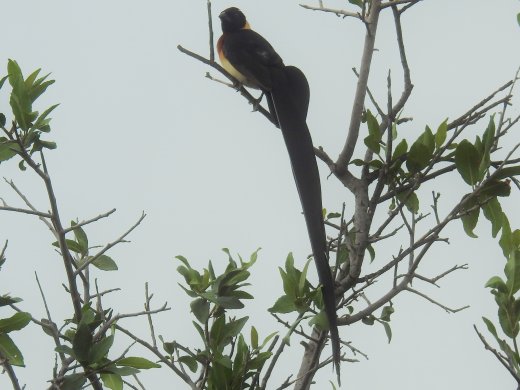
pixel 140 128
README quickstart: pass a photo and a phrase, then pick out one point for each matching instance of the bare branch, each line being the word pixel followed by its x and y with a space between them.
pixel 51 325
pixel 86 222
pixel 497 355
pixel 337 12
pixel 361 90
pixel 393 3
pixel 250 98
pixel 447 309
pixel 109 245
pixel 161 357
pixel 25 211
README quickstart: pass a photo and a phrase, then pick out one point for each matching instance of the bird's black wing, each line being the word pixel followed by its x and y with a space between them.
pixel 253 56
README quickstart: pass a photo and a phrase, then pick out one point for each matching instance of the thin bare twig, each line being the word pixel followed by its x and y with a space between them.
pixel 337 12
pixel 110 245
pixel 52 326
pixel 86 222
pixel 447 309
pixel 498 356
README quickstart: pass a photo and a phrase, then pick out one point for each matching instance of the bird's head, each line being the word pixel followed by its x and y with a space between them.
pixel 232 19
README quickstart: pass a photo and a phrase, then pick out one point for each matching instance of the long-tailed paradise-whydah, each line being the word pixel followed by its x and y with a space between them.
pixel 251 59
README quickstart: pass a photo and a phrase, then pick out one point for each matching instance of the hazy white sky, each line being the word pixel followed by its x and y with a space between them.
pixel 140 128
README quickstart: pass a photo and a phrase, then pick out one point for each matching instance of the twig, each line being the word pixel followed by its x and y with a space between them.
pixel 393 3
pixel 497 355
pixel 109 245
pixel 361 90
pixel 86 222
pixel 337 12
pixel 28 203
pixel 210 27
pixel 250 98
pixel 118 317
pixel 148 299
pixel 161 357
pixel 52 326
pixel 25 211
pixel 447 309
pixel 440 276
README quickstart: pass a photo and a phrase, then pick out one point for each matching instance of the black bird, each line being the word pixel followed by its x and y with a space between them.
pixel 251 59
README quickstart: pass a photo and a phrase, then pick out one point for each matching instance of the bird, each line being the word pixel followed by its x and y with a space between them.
pixel 251 60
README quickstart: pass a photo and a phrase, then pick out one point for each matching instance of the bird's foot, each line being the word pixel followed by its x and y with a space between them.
pixel 256 102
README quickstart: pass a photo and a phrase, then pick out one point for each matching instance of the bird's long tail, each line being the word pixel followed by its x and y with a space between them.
pixel 290 98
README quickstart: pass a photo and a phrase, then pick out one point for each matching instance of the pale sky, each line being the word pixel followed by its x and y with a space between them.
pixel 141 128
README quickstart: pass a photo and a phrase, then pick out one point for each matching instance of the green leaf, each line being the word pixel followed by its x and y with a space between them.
pixel 518 18
pixel 497 283
pixel 508 325
pixel 490 326
pixel 100 349
pixel 105 263
pixel 82 342
pixel 254 337
pixel 233 328
pixel 73 382
pixel 493 212
pixel 42 123
pixel 388 330
pixel 7 300
pixel 369 320
pixel 333 215
pixel 8 150
pixel 488 139
pixel 440 135
pixel 469 222
pixel 10 351
pixel 190 362
pixel 284 304
pixel 123 371
pixel 506 240
pixel 2 120
pixel 81 237
pixel 386 313
pixel 137 362
pixel 16 322
pixel 374 135
pixel 200 308
pixel 65 349
pixel 411 201
pixel 320 320
pixel 71 244
pixel 467 161
pixel 400 149
pixel 2 81
pixel 359 3
pixel 512 272
pixel 239 363
pixel 303 280
pixel 258 362
pixel 428 139
pixel 418 157
pixel 112 381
